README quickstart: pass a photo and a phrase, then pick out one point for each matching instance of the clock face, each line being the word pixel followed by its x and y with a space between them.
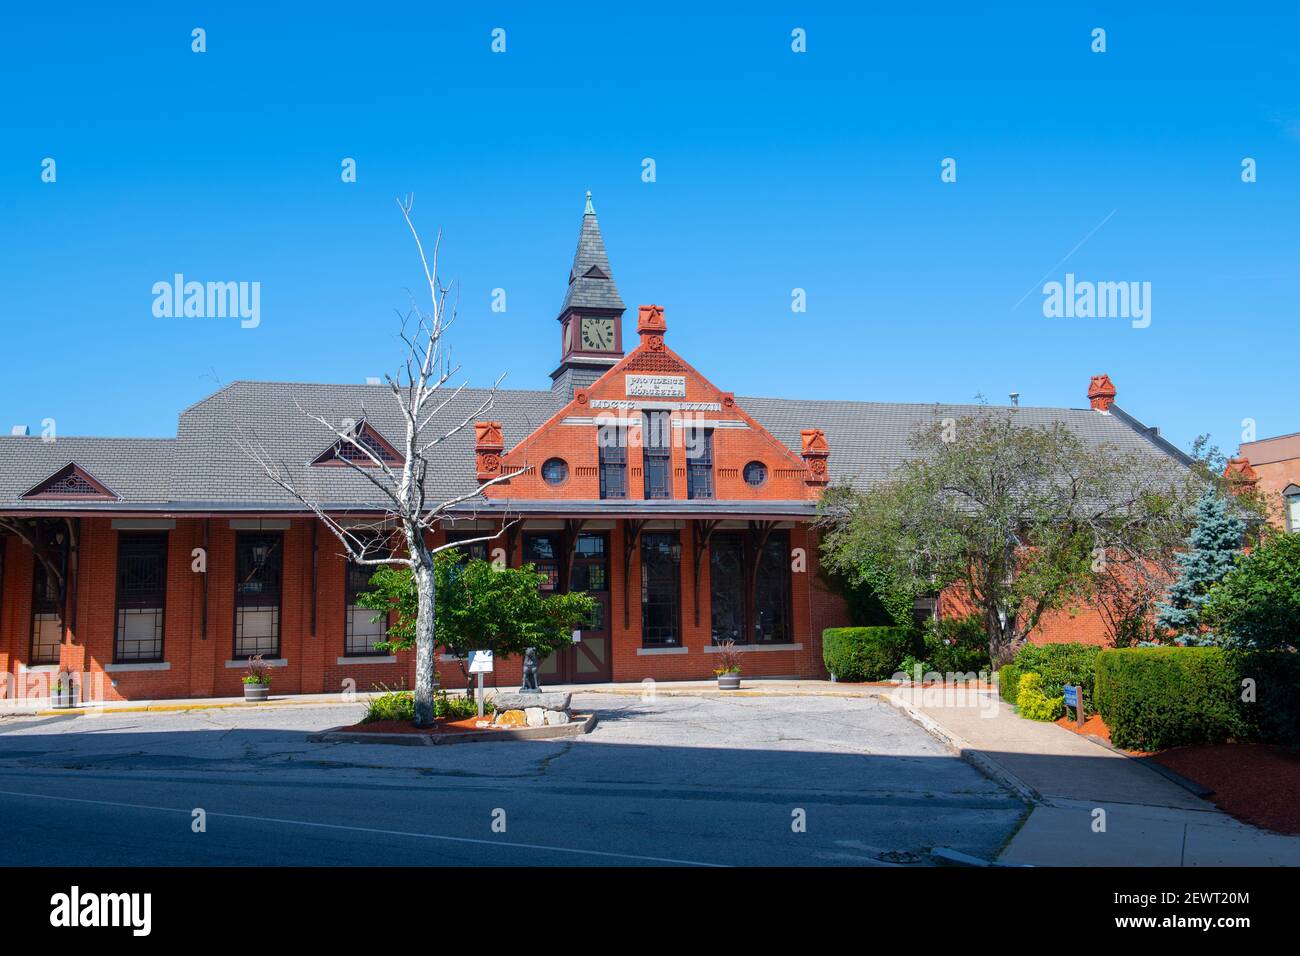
pixel 598 335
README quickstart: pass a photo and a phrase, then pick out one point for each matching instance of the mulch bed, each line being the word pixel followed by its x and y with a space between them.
pixel 441 725
pixel 1257 784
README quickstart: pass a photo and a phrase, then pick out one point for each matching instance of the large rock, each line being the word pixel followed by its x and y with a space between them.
pixel 536 716
pixel 545 700
pixel 555 717
pixel 512 718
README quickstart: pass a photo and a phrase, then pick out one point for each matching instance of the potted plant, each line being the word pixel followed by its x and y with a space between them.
pixel 727 669
pixel 257 682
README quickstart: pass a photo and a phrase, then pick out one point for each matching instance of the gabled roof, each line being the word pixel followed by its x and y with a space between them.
pixel 71 483
pixel 135 469
pixel 205 467
pixel 591 280
pixel 344 453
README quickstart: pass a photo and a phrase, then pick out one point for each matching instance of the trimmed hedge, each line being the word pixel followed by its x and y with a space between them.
pixel 1274 715
pixel 1009 683
pixel 1061 664
pixel 1153 698
pixel 865 653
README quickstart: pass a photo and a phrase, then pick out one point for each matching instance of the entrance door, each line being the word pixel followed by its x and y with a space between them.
pixel 589 660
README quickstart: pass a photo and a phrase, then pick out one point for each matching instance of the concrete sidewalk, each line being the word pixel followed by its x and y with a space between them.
pixel 751 688
pixel 1092 806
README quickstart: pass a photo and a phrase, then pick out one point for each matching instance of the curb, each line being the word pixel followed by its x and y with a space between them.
pixel 180 708
pixel 967 751
pixel 337 735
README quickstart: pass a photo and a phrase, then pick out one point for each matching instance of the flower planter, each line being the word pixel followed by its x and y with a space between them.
pixel 729 681
pixel 256 691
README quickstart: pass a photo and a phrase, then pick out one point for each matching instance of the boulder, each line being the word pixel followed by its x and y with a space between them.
pixel 557 717
pixel 536 716
pixel 521 701
pixel 512 718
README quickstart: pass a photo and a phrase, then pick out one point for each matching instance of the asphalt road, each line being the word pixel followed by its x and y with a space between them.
pixel 683 781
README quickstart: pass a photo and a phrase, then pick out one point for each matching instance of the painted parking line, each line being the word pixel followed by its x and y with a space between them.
pixel 372 830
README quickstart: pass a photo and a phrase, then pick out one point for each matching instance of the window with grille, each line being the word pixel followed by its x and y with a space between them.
pixel 772 594
pixel 475 549
pixel 363 627
pixel 258 573
pixel 141 596
pixel 47 617
pixel 727 588
pixel 731 556
pixel 699 463
pixel 544 551
pixel 661 590
pixel 657 454
pixel 613 463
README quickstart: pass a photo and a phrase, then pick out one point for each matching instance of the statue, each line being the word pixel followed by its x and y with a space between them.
pixel 530 685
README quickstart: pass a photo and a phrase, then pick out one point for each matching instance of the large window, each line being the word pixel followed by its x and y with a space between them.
pixel 544 551
pixel 727 588
pixel 731 558
pixel 772 595
pixel 47 617
pixel 661 584
pixel 656 446
pixel 1293 512
pixel 258 572
pixel 591 574
pixel 363 627
pixel 699 463
pixel 141 596
pixel 612 446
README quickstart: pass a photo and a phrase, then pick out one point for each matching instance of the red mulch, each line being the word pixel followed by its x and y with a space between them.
pixel 441 726
pixel 1256 783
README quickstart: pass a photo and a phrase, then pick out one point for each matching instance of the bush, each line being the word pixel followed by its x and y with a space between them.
pixel 1033 704
pixel 458 707
pixel 1061 664
pixel 1153 698
pixel 1257 604
pixel 865 653
pixel 1274 715
pixel 1009 682
pixel 957 645
pixel 394 705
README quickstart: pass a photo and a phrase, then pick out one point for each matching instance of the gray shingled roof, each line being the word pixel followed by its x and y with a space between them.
pixel 596 290
pixel 207 467
pixel 137 469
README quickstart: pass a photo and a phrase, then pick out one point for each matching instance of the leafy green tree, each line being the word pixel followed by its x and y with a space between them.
pixel 1257 604
pixel 1212 551
pixel 1012 514
pixel 479 607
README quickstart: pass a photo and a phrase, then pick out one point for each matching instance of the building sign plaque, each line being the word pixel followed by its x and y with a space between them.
pixel 656 386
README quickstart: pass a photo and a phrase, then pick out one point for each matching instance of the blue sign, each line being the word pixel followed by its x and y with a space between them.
pixel 1071 696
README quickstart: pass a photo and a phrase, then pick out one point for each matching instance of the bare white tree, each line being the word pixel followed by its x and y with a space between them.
pixel 420 389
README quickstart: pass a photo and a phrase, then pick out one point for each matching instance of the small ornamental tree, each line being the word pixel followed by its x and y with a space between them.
pixel 1213 549
pixel 479 607
pixel 1257 604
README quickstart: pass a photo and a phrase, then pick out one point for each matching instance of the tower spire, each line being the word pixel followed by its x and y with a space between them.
pixel 591 318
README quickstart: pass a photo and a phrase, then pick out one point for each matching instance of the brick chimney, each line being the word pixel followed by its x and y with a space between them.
pixel 1101 393
pixel 815 452
pixel 1240 475
pixel 488 447
pixel 650 325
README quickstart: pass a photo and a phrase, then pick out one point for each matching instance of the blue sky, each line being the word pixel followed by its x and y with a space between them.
pixel 775 170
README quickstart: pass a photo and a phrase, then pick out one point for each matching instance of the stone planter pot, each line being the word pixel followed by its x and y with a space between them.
pixel 728 682
pixel 257 691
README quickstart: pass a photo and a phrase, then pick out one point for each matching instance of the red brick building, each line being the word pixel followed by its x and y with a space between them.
pixel 685 510
pixel 1273 466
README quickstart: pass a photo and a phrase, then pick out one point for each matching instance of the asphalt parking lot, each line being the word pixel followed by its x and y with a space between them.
pixel 675 780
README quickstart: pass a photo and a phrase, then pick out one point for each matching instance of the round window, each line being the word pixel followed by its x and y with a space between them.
pixel 555 471
pixel 755 473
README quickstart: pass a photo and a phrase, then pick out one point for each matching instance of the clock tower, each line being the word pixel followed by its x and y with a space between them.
pixel 591 318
